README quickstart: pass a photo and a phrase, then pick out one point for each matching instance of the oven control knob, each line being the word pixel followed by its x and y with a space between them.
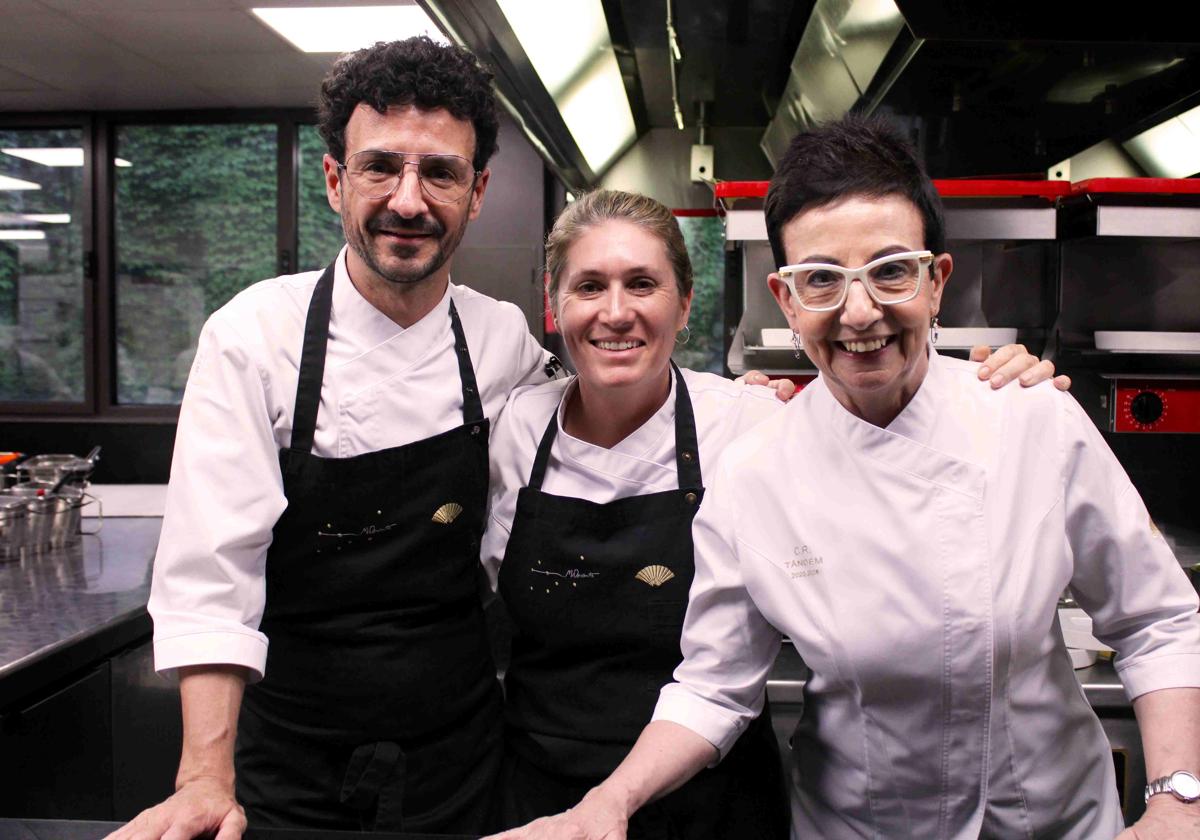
pixel 1146 407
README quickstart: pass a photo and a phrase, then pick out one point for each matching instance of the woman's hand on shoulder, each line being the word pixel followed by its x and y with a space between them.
pixel 785 389
pixel 1013 361
pixel 1165 819
pixel 596 817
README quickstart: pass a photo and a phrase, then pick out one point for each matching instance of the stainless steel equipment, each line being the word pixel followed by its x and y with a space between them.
pixel 14 520
pixel 44 509
pixel 70 469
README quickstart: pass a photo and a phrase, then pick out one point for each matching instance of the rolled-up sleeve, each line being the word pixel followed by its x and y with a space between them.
pixel 224 497
pixel 1125 575
pixel 728 647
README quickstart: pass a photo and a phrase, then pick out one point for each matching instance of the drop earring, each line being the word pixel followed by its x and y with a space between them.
pixel 933 327
pixel 797 345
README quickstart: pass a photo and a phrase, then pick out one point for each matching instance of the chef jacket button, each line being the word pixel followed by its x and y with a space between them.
pixel 468 389
pixel 691 498
pixel 687 456
pixel 474 430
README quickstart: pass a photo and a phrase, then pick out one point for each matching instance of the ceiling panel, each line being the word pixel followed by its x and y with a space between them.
pixel 252 71
pixel 132 54
pixel 11 80
pixel 169 33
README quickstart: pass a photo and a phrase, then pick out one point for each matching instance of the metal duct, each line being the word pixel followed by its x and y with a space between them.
pixel 843 47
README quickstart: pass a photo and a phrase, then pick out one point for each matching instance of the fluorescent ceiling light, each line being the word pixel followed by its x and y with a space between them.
pixel 22 234
pixel 8 183
pixel 63 156
pixel 338 29
pixel 35 218
pixel 1171 149
pixel 870 15
pixel 561 38
pixel 568 44
pixel 48 218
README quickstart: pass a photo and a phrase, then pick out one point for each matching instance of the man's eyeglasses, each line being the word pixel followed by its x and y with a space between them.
pixel 376 174
pixel 819 287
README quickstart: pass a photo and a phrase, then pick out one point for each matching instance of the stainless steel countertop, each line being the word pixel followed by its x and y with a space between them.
pixel 53 601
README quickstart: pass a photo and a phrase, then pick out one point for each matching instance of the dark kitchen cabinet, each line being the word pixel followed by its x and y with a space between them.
pixel 57 753
pixel 103 746
pixel 146 733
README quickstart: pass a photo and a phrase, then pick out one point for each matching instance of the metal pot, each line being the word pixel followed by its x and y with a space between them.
pixel 38 510
pixel 14 521
pixel 53 515
pixel 67 512
pixel 55 468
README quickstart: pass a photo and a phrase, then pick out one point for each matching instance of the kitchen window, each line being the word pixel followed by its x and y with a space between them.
pixel 320 229
pixel 704 235
pixel 120 233
pixel 195 223
pixel 42 208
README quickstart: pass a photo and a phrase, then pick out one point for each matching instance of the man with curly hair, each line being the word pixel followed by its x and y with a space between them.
pixel 328 490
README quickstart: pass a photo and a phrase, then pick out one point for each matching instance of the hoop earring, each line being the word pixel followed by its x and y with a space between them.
pixel 686 332
pixel 797 345
pixel 933 326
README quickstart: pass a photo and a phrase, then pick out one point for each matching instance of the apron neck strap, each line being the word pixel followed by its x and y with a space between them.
pixel 312 365
pixel 312 362
pixel 687 446
pixel 472 406
pixel 687 452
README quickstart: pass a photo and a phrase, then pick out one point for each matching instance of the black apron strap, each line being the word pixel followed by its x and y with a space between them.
pixel 312 363
pixel 472 406
pixel 542 458
pixel 312 366
pixel 687 446
pixel 687 449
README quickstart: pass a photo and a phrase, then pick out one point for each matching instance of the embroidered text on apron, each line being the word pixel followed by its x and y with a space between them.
pixel 380 707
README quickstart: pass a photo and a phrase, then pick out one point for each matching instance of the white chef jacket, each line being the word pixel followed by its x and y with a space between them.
pixel 383 386
pixel 917 569
pixel 642 463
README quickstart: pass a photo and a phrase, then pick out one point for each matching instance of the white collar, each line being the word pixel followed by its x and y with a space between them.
pixel 359 324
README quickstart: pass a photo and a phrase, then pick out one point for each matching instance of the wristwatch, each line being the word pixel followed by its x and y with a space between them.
pixel 1181 784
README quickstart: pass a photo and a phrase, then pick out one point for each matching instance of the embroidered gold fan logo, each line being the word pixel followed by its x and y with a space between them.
pixel 655 575
pixel 447 513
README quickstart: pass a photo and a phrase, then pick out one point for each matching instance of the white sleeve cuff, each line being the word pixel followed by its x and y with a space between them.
pixel 213 647
pixel 711 721
pixel 1173 670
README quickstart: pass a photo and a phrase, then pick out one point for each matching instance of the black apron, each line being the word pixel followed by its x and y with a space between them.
pixel 380 708
pixel 597 594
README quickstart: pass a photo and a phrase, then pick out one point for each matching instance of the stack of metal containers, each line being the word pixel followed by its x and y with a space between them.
pixel 42 510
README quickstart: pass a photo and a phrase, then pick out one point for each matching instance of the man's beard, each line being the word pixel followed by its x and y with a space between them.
pixel 395 223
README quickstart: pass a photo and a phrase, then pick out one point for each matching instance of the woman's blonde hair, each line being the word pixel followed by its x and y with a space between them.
pixel 601 206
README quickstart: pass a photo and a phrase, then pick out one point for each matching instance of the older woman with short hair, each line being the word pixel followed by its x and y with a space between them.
pixel 912 533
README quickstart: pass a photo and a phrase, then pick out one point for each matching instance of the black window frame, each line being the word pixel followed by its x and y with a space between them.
pixel 99 246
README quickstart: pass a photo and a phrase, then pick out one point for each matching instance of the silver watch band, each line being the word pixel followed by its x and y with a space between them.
pixel 1181 784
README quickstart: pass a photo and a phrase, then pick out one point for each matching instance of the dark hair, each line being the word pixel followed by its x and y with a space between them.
pixel 416 71
pixel 851 156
